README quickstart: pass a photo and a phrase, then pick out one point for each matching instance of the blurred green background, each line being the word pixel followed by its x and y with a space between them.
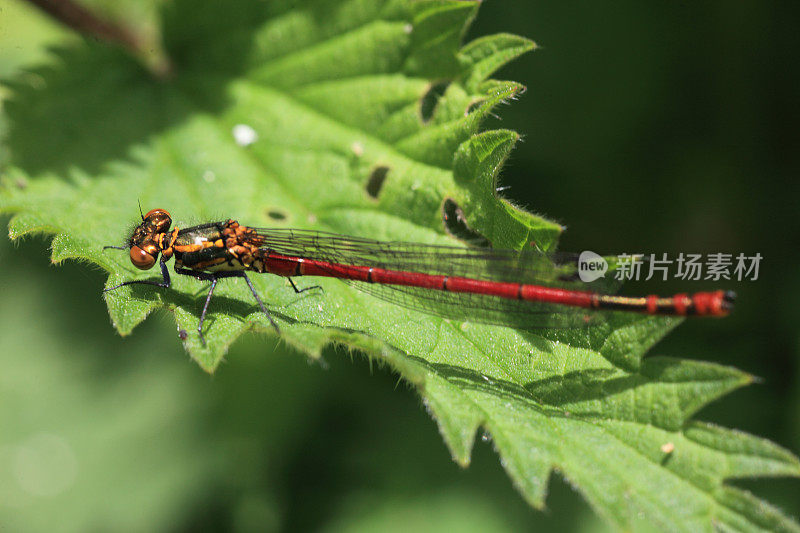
pixel 648 127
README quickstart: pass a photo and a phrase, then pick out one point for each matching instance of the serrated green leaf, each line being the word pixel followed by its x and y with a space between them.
pixel 334 90
pixel 483 56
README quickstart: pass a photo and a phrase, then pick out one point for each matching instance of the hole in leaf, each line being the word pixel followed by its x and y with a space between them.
pixel 276 214
pixel 376 179
pixel 427 105
pixel 455 222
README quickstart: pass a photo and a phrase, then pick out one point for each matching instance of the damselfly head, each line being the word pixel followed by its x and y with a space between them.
pixel 159 219
pixel 145 242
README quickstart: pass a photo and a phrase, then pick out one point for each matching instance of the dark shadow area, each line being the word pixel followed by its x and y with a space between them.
pixel 219 303
pixel 276 214
pixel 550 396
pixel 93 103
pixel 547 396
pixel 85 110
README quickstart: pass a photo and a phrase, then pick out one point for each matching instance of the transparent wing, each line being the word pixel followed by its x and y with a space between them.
pixel 528 267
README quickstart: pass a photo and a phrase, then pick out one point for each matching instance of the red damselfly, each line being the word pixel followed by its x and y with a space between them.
pixel 528 289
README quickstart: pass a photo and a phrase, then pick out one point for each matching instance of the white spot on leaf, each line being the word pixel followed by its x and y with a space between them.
pixel 244 135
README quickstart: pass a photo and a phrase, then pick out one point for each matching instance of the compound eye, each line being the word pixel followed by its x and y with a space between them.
pixel 141 259
pixel 157 212
pixel 159 218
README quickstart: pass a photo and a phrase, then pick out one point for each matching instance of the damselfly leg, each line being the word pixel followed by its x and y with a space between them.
pixel 213 278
